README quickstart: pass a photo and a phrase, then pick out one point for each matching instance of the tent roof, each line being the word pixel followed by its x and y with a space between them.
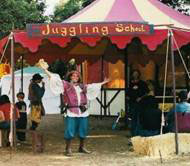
pixel 54 48
pixel 151 11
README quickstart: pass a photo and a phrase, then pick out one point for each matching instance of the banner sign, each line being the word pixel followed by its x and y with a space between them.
pixel 88 29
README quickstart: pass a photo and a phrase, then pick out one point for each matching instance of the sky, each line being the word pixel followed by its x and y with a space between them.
pixel 50 6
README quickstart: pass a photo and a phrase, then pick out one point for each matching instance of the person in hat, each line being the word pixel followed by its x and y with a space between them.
pixel 75 95
pixel 36 92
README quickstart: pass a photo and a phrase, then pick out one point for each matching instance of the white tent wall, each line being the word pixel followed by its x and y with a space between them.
pixel 117 104
pixel 51 101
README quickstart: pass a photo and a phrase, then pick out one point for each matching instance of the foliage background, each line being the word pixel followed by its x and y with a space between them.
pixel 15 14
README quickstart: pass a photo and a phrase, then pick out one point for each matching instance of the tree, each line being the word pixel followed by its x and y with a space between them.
pixel 65 10
pixel 179 5
pixel 59 67
pixel 15 14
pixel 87 2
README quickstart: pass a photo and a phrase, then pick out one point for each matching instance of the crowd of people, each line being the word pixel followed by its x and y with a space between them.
pixel 143 107
pixel 144 111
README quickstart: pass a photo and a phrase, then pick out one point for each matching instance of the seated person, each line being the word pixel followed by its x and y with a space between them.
pixel 182 107
pixel 3 124
pixel 5 107
pixel 150 84
pixel 150 117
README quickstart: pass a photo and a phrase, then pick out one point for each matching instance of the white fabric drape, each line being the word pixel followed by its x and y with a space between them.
pixel 93 90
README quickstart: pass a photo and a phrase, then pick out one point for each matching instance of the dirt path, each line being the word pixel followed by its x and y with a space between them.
pixel 110 148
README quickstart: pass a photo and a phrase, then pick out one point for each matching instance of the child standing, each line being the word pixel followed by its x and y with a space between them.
pixel 22 121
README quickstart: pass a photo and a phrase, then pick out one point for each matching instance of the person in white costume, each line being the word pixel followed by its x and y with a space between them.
pixel 75 96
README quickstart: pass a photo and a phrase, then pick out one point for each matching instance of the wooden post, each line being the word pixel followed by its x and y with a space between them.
pixel 22 65
pixel 187 58
pixel 102 77
pixel 13 125
pixel 127 82
pixel 174 90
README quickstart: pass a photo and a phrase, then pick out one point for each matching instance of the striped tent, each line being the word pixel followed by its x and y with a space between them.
pixel 151 11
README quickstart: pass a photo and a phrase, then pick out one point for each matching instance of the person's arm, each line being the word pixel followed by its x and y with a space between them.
pixel 2 117
pixel 106 80
pixel 56 84
pixel 44 65
pixel 38 91
pixel 17 113
pixel 49 74
pixel 141 97
pixel 145 90
pixel 93 90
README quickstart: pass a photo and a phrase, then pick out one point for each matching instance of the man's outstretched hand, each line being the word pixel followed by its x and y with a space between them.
pixel 42 64
pixel 106 80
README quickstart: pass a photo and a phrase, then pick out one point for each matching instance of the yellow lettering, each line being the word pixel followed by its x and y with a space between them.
pixel 119 28
pixel 136 29
pixel 86 29
pixel 142 28
pixel 80 28
pixel 105 30
pixel 55 30
pixel 132 28
pixel 63 31
pixel 72 31
pixel 46 31
pixel 95 30
pixel 127 29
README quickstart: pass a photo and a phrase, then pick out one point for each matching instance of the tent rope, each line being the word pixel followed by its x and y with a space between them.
pixel 165 82
pixel 182 59
pixel 5 48
pixel 180 29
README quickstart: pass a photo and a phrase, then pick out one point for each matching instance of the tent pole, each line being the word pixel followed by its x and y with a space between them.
pixel 102 75
pixel 174 90
pixel 187 58
pixel 22 65
pixel 127 75
pixel 13 127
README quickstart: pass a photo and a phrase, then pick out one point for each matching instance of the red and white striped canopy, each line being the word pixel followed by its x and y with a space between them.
pixel 151 11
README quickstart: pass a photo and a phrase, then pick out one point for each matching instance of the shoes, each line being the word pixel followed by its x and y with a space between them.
pixel 83 150
pixel 68 153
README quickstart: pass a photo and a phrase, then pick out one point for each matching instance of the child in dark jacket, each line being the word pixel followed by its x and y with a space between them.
pixel 22 121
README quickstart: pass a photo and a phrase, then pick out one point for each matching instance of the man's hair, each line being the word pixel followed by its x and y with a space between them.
pixel 68 77
pixel 21 95
pixel 136 70
pixel 182 95
pixel 4 99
